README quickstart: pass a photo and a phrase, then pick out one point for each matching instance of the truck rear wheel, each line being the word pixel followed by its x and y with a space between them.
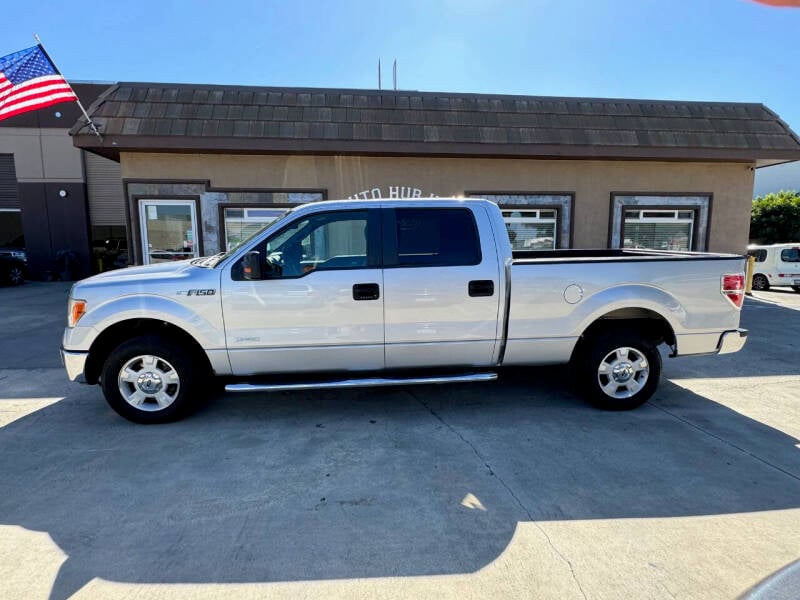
pixel 619 370
pixel 148 379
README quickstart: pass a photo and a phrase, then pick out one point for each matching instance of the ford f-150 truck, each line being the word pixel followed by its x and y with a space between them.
pixel 369 293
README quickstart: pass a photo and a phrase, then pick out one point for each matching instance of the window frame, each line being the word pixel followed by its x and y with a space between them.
pixel 390 250
pixel 565 209
pixel 374 250
pixel 698 202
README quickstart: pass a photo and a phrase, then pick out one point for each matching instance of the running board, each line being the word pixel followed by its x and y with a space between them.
pixel 356 383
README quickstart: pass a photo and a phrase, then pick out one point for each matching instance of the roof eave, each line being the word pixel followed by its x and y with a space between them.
pixel 110 146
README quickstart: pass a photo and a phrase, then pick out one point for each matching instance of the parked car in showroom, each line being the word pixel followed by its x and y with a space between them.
pixel 12 269
pixel 776 265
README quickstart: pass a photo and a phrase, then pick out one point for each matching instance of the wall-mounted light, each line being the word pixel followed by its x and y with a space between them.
pixel 63 193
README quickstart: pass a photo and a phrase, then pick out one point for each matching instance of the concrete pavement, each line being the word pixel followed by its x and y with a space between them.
pixel 514 489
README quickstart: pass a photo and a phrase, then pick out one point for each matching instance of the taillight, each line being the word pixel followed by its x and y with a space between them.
pixel 75 311
pixel 733 288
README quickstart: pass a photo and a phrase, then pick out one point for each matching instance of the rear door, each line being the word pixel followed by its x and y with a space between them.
pixel 441 287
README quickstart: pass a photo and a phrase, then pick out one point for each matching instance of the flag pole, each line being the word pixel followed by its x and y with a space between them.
pixel 78 100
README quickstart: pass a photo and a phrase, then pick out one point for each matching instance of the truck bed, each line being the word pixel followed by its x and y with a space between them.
pixel 613 254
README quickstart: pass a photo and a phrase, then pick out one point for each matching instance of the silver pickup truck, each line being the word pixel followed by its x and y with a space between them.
pixel 371 293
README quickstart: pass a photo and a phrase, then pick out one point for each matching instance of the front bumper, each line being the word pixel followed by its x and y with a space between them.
pixel 732 341
pixel 74 363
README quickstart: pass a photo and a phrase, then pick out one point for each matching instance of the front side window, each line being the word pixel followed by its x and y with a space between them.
pixel 790 255
pixel 324 241
pixel 436 237
pixel 759 255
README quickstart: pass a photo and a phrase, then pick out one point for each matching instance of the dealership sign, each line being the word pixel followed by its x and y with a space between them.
pixel 392 191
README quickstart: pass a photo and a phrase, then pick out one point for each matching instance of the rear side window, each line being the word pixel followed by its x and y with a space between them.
pixel 790 255
pixel 436 237
pixel 760 255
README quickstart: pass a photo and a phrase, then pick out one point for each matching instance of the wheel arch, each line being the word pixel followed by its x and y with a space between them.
pixel 124 330
pixel 645 321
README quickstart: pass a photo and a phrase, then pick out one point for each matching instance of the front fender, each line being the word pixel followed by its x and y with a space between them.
pixel 148 306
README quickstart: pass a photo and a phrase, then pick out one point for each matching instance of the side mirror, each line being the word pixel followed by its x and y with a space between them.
pixel 251 266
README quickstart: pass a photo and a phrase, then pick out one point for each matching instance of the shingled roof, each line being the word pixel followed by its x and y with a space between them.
pixel 207 118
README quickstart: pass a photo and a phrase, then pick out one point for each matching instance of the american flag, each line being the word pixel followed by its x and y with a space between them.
pixel 28 81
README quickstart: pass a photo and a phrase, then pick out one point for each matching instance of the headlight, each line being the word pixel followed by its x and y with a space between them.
pixel 75 310
pixel 20 255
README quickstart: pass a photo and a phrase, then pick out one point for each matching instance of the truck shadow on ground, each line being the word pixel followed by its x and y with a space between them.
pixel 410 481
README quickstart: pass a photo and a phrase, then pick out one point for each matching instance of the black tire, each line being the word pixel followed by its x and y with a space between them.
pixel 183 396
pixel 637 380
pixel 760 282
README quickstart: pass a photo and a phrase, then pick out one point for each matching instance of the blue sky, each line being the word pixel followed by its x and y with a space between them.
pixel 733 50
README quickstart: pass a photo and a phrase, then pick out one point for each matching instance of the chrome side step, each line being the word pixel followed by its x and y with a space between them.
pixel 355 383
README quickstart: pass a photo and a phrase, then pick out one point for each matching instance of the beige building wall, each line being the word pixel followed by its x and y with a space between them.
pixel 592 182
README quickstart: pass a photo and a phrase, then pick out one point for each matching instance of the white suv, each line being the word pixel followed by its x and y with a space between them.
pixel 778 264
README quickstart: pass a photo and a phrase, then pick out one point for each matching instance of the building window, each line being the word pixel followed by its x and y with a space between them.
pixel 531 229
pixel 240 220
pixel 660 221
pixel 659 229
pixel 241 223
pixel 534 221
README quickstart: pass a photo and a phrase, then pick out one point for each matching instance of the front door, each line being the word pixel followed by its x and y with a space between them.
pixel 319 304
pixel 169 230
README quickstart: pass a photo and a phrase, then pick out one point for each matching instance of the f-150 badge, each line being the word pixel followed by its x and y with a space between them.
pixel 196 292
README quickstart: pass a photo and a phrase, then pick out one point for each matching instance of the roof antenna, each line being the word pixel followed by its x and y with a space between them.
pixel 379 74
pixel 394 74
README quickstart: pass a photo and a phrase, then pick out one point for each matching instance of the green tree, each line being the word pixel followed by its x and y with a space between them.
pixel 776 218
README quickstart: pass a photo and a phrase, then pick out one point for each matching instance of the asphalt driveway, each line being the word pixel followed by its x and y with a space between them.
pixel 512 489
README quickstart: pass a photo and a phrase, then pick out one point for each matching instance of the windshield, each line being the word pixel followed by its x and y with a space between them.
pixel 213 261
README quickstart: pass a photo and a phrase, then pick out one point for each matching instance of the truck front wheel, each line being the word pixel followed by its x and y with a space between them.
pixel 619 370
pixel 148 379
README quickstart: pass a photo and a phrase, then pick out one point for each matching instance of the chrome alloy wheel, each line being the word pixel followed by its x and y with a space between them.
pixel 623 372
pixel 148 383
